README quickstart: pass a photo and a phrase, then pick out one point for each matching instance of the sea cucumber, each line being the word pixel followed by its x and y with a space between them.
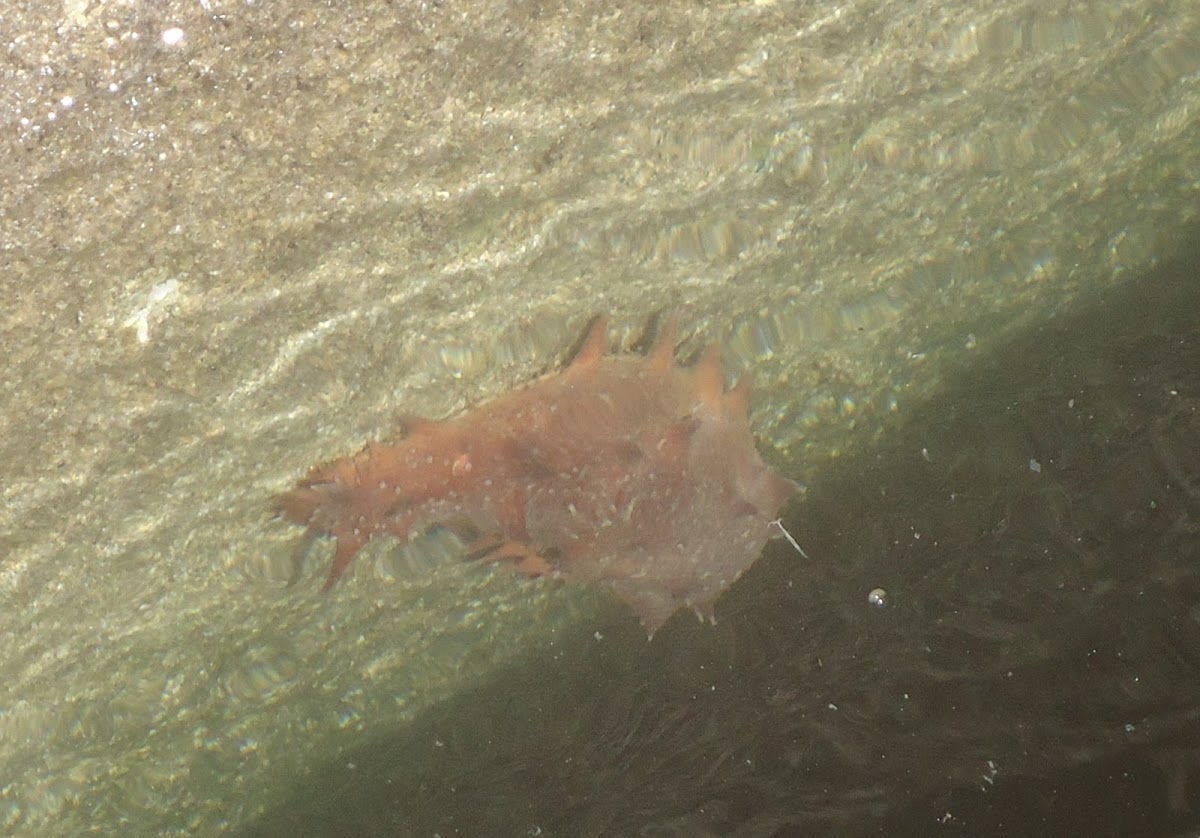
pixel 624 470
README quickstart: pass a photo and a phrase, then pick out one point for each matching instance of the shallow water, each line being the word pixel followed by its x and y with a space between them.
pixel 242 238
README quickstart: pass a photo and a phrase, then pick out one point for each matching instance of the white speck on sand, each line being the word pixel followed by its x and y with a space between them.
pixel 140 319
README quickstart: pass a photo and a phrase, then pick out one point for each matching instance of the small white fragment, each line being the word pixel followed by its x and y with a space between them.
pixel 1035 466
pixel 140 319
pixel 877 597
pixel 989 776
pixel 172 37
pixel 779 523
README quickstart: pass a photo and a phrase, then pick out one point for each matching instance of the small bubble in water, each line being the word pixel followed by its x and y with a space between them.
pixel 877 597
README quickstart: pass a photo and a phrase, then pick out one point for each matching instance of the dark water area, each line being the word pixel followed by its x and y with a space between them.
pixel 1029 664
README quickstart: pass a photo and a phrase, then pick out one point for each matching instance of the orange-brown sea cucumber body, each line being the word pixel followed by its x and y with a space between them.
pixel 624 470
